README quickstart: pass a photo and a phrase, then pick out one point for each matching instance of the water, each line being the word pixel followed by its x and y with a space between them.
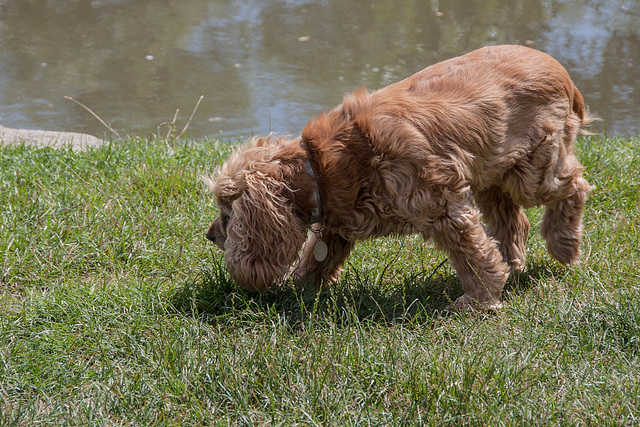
pixel 270 65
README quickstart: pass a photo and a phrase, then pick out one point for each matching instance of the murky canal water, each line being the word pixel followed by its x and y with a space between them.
pixel 269 65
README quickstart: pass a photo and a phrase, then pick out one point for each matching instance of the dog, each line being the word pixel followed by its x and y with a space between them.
pixel 455 152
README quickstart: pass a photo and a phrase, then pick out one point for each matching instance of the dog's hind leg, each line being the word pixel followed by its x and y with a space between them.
pixel 505 222
pixel 473 254
pixel 562 221
pixel 310 270
pixel 563 191
pixel 551 175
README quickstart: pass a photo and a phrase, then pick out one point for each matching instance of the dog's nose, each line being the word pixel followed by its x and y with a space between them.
pixel 211 237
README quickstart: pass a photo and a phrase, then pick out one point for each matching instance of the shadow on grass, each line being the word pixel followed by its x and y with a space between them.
pixel 521 283
pixel 414 299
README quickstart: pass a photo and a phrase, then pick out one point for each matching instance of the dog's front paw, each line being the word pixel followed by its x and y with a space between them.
pixel 467 304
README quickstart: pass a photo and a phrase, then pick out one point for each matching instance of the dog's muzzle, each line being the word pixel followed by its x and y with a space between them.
pixel 215 235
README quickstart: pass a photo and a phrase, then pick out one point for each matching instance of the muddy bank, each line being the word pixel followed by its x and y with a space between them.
pixel 48 138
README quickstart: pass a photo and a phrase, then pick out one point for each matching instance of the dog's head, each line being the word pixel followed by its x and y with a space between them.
pixel 264 197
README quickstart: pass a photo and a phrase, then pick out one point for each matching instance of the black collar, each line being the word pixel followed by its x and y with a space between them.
pixel 316 213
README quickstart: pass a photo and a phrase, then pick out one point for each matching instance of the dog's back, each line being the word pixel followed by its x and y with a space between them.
pixel 490 108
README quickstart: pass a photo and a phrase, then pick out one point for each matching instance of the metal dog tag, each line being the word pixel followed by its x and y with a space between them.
pixel 320 251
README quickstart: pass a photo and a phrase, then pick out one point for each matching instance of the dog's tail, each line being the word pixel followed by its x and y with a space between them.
pixel 581 110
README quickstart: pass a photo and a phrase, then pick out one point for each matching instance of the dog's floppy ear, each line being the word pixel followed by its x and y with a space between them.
pixel 264 233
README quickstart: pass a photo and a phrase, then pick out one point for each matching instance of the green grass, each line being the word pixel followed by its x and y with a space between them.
pixel 115 310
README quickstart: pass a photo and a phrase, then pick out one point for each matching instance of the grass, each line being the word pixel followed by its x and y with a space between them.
pixel 114 310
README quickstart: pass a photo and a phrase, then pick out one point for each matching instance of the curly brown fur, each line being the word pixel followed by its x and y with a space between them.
pixel 484 135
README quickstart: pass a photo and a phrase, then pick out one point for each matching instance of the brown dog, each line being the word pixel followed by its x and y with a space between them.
pixel 482 135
